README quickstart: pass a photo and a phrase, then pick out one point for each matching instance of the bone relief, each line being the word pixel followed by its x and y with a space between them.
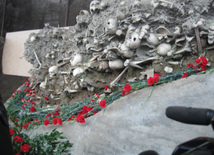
pixel 114 39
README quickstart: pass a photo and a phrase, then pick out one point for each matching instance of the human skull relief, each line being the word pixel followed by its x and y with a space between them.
pixel 133 42
pixel 111 26
pixel 95 6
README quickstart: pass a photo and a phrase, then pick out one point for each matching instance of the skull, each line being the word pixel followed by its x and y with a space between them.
pixel 134 41
pixel 95 6
pixel 111 26
pixel 83 17
pixel 53 70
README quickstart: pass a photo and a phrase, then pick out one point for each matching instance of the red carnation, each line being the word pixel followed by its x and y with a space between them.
pixel 96 95
pixel 184 75
pixel 12 131
pixel 71 118
pixel 46 98
pixel 102 103
pixel 150 81
pixel 204 60
pixel 25 148
pixel 156 77
pixel 106 87
pixel 32 103
pixel 18 139
pixel 48 115
pixel 54 121
pixel 127 88
pixel 46 122
pixel 123 92
pixel 32 109
pixel 59 121
pixel 95 112
pixel 80 119
pixel 25 126
pixel 190 65
pixel 23 106
pixel 56 113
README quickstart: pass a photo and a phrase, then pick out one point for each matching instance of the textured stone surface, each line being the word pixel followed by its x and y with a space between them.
pixel 121 130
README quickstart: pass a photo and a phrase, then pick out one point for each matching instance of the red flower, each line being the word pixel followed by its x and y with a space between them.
pixel 156 77
pixel 46 122
pixel 150 81
pixel 54 121
pixel 123 92
pixel 204 60
pixel 106 87
pixel 59 121
pixel 23 105
pixel 32 103
pixel 28 94
pixel 86 109
pixel 25 126
pixel 95 112
pixel 80 119
pixel 12 131
pixel 25 148
pixel 71 118
pixel 32 109
pixel 190 65
pixel 56 113
pixel 27 89
pixel 18 154
pixel 11 96
pixel 23 99
pixel 18 139
pixel 102 103
pixel 26 80
pixel 48 115
pixel 203 68
pixel 197 61
pixel 127 88
pixel 46 98
pixel 36 120
pixel 96 95
pixel 153 79
pixel 184 75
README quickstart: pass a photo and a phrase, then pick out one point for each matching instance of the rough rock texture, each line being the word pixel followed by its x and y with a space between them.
pixel 121 130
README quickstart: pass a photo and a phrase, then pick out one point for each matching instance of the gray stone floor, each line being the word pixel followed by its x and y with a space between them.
pixel 121 130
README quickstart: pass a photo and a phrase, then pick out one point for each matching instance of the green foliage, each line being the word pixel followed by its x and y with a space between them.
pixel 49 144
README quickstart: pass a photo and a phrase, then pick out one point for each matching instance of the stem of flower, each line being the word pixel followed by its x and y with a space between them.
pixel 146 99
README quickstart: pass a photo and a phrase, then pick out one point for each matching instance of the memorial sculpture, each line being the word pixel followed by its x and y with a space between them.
pixel 118 41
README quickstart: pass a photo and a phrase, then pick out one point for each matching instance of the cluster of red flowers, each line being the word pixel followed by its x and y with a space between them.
pixel 154 79
pixel 184 75
pixel 54 115
pixel 201 64
pixel 80 119
pixel 103 103
pixel 18 139
pixel 12 131
pixel 25 148
pixel 127 88
pixel 27 82
pixel 57 120
pixel 15 93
